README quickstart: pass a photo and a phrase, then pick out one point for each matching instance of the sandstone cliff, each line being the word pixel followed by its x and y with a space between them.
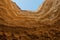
pixel 18 24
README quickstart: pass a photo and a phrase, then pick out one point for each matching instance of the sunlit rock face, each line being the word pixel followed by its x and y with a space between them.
pixel 18 24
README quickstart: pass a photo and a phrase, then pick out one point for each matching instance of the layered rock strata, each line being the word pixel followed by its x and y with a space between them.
pixel 18 24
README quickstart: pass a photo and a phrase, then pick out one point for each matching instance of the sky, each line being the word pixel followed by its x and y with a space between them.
pixel 31 5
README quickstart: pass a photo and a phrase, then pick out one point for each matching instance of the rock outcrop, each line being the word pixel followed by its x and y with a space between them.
pixel 18 24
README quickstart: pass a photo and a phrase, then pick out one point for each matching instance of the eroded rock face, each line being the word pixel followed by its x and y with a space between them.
pixel 17 24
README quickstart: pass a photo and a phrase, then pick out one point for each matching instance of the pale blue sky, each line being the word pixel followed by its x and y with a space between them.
pixel 29 4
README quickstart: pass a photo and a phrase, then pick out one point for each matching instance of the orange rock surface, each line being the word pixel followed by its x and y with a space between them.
pixel 45 20
pixel 12 15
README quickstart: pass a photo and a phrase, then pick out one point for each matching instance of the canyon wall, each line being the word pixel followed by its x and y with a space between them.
pixel 18 24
